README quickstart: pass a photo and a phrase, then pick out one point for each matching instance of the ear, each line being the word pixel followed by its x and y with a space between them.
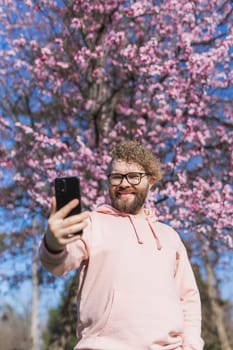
pixel 152 182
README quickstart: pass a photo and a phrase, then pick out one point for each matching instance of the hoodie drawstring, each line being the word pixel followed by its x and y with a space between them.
pixel 138 238
pixel 158 244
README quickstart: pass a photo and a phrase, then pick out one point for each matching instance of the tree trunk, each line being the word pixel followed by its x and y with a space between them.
pixel 35 285
pixel 66 324
pixel 216 308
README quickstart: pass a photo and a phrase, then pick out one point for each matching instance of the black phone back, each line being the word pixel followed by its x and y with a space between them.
pixel 66 189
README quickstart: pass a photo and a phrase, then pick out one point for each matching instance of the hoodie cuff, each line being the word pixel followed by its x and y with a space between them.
pixel 50 250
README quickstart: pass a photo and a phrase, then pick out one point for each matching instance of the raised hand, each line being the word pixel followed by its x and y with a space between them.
pixel 63 230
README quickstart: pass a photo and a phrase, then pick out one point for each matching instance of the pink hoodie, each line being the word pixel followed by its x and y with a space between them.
pixel 137 290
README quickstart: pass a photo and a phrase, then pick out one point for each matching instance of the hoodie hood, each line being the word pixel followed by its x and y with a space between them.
pixel 149 216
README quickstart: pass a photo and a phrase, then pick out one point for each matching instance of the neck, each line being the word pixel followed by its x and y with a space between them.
pixel 140 213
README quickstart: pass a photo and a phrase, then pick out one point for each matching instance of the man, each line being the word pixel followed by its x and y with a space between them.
pixel 137 290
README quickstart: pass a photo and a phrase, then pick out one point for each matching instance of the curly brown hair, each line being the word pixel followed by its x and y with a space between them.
pixel 133 151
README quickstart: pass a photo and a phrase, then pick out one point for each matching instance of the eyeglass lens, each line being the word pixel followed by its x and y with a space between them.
pixel 133 178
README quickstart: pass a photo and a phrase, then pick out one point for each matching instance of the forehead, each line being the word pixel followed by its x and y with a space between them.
pixel 121 166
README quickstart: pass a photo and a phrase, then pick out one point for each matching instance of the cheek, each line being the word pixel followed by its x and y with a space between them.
pixel 144 186
pixel 111 191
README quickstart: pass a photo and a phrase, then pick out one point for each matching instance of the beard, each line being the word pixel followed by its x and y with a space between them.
pixel 128 206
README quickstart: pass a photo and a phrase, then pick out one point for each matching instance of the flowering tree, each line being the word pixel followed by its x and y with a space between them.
pixel 78 76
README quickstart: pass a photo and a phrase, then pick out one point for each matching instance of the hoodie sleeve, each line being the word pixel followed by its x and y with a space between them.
pixel 59 264
pixel 190 299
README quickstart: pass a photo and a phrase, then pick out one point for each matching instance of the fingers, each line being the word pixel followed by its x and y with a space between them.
pixel 64 211
pixel 65 230
pixel 73 224
pixel 75 219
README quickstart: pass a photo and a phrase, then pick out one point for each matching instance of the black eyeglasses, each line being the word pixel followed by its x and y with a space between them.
pixel 133 178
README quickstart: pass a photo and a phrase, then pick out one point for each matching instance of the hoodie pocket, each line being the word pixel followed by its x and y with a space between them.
pixel 148 320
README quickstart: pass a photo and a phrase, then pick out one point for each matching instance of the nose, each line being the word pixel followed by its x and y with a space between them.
pixel 124 182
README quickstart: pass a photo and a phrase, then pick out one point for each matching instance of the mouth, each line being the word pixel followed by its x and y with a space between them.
pixel 125 194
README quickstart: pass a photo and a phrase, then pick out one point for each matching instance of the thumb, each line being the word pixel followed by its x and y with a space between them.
pixel 53 205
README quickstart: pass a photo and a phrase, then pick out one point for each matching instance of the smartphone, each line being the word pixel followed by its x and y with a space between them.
pixel 66 189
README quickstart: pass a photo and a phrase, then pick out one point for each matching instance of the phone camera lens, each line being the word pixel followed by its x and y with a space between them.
pixel 63 186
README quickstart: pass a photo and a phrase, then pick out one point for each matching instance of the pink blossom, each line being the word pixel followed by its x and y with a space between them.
pixel 110 72
pixel 76 24
pixel 63 65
